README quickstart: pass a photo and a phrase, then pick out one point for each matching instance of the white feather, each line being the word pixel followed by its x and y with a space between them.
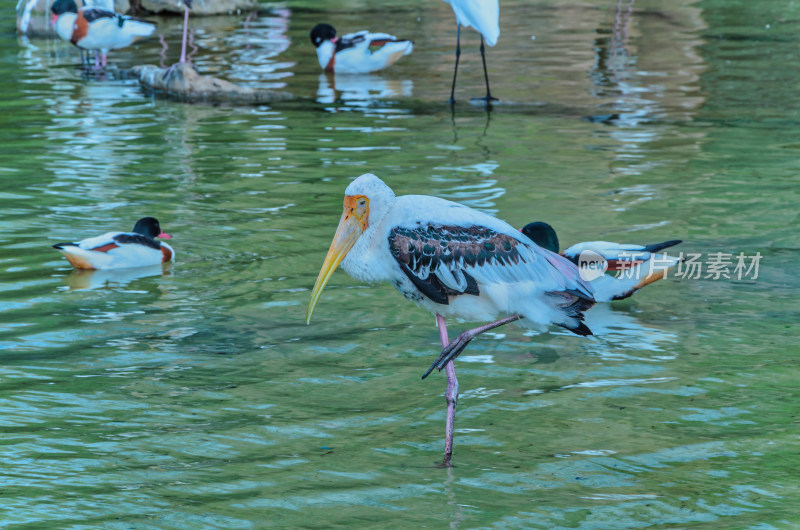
pixel 609 250
pixel 483 15
pixel 107 5
pixel 64 25
pixel 24 19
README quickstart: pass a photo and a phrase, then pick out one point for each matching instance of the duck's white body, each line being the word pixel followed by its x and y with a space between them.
pixel 618 255
pixel 483 15
pixel 636 266
pixel 116 250
pixel 114 33
pixel 64 24
pixel 361 52
pixel 609 287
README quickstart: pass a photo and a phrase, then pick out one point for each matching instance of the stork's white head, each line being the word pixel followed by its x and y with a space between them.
pixel 379 196
pixel 366 200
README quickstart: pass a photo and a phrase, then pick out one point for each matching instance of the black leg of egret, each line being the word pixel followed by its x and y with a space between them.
pixel 488 97
pixel 455 70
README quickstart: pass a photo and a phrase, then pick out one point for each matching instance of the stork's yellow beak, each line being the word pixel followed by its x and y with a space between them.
pixel 351 225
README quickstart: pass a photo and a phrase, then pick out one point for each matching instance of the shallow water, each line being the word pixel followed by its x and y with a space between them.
pixel 196 396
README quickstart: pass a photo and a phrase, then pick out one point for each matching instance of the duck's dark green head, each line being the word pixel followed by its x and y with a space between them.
pixel 542 234
pixel 60 7
pixel 148 226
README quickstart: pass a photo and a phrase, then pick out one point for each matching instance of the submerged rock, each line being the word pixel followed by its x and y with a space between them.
pixel 182 82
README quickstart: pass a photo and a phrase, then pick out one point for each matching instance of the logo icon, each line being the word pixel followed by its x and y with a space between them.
pixel 591 265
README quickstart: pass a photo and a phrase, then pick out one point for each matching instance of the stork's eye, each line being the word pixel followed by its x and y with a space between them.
pixel 362 203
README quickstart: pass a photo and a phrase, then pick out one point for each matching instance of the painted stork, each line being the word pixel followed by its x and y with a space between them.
pixel 637 265
pixel 120 250
pixel 455 262
pixel 484 16
pixel 357 53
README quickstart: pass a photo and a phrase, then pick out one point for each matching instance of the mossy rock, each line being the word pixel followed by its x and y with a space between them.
pixel 183 83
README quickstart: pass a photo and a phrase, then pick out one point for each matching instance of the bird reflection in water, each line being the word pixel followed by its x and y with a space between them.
pixel 83 279
pixel 618 333
pixel 360 89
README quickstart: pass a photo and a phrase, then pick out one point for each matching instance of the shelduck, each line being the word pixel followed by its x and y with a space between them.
pixel 636 265
pixel 96 29
pixel 357 53
pixel 120 250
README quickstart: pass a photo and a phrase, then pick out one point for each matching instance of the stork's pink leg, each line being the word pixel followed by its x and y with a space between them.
pixel 450 396
pixel 454 349
pixel 97 60
pixel 185 28
pixel 105 59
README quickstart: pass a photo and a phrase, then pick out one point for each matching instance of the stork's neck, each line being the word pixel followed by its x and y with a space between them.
pixel 369 260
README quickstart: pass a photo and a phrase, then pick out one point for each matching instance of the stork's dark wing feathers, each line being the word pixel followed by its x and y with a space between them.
pixel 434 258
pixel 444 261
pixel 434 289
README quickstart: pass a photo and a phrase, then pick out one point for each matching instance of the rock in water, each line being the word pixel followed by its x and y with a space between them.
pixel 185 84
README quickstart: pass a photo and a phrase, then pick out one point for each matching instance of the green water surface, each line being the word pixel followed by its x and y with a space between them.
pixel 196 396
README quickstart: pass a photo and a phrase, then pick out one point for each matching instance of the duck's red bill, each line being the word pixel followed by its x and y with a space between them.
pixel 164 235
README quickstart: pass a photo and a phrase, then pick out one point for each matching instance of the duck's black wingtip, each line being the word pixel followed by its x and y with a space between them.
pixel 655 247
pixel 624 295
pixel 581 329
